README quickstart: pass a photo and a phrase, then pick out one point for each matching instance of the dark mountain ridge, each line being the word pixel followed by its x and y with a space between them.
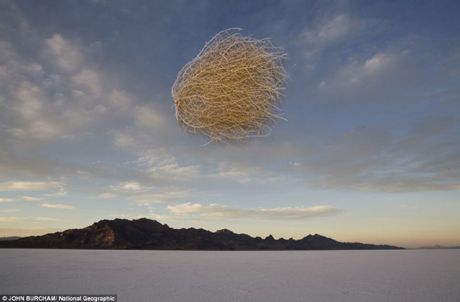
pixel 437 247
pixel 10 238
pixel 146 234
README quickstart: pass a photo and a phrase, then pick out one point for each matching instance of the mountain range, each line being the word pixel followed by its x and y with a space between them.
pixel 438 247
pixel 10 238
pixel 147 234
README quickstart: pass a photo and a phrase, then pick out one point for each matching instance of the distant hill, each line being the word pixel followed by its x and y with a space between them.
pixel 149 234
pixel 9 238
pixel 437 247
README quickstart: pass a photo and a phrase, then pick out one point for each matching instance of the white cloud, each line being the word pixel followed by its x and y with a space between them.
pixel 125 141
pixel 380 77
pixel 160 217
pixel 121 215
pixel 36 110
pixel 62 192
pixel 325 32
pixel 120 189
pixel 31 108
pixel 66 54
pixel 9 210
pixel 68 103
pixel 30 198
pixel 157 158
pixel 160 197
pixel 356 72
pixel 223 211
pixel 120 99
pixel 29 186
pixel 30 99
pixel 100 109
pixel 161 163
pixel 11 219
pixel 186 208
pixel 89 81
pixel 240 175
pixel 34 69
pixel 17 219
pixel 296 213
pixel 244 174
pixel 372 159
pixel 48 219
pixel 6 200
pixel 43 129
pixel 106 195
pixel 150 118
pixel 175 170
pixel 130 186
pixel 58 206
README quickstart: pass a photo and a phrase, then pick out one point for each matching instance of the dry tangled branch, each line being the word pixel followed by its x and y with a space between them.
pixel 232 89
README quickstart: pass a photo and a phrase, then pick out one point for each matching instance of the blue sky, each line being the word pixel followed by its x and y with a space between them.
pixel 370 151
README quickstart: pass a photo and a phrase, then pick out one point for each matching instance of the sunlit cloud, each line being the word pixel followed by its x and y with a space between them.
pixel 121 216
pixel 382 76
pixel 159 217
pixel 88 80
pixel 128 186
pixel 60 193
pixel 6 199
pixel 326 33
pixel 9 210
pixel 11 219
pixel 30 198
pixel 372 159
pixel 66 54
pixel 160 197
pixel 223 211
pixel 29 186
pixel 58 206
pixel 18 219
pixel 106 195
pixel 48 219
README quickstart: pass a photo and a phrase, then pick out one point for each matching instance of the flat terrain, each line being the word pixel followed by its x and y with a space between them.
pixel 373 275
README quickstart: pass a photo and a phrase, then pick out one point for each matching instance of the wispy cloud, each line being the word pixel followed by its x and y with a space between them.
pixel 372 159
pixel 30 198
pixel 61 193
pixel 66 54
pixel 9 210
pixel 244 174
pixel 88 81
pixel 127 186
pixel 11 219
pixel 326 32
pixel 159 217
pixel 223 211
pixel 164 197
pixel 121 215
pixel 29 186
pixel 48 219
pixel 6 199
pixel 107 195
pixel 18 219
pixel 384 76
pixel 130 185
pixel 58 206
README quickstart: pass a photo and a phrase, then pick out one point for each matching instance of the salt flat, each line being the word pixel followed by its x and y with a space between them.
pixel 392 275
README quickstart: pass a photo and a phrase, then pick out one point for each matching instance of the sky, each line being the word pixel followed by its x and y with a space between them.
pixel 370 151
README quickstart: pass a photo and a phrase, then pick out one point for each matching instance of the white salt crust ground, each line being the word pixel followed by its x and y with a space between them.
pixel 408 275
